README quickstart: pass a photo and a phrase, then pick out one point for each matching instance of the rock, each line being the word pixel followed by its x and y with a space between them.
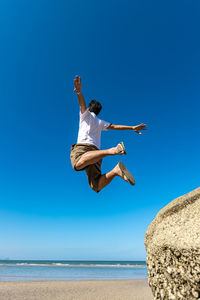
pixel 172 243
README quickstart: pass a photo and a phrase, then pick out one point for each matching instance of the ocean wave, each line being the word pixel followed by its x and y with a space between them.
pixel 60 264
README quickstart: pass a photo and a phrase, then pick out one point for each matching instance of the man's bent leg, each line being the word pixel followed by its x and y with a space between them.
pixel 105 179
pixel 92 157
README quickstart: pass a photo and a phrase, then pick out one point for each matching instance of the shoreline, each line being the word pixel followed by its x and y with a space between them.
pixel 68 280
pixel 126 289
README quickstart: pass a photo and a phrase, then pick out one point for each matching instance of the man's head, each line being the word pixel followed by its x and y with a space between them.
pixel 95 107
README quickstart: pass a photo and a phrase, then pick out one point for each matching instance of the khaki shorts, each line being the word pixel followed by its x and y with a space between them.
pixel 93 171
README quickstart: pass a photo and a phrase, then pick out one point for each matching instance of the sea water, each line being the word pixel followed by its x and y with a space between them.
pixel 21 270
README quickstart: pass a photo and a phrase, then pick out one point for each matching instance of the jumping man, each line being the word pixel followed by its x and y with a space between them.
pixel 86 154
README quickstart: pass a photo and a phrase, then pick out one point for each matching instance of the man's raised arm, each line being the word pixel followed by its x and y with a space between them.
pixel 136 128
pixel 77 90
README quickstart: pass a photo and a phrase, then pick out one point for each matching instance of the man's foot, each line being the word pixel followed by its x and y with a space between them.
pixel 120 149
pixel 123 172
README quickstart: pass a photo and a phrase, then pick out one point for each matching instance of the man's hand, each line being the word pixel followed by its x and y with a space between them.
pixel 77 90
pixel 77 84
pixel 139 127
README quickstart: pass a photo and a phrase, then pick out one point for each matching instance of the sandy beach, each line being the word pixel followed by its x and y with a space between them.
pixel 132 289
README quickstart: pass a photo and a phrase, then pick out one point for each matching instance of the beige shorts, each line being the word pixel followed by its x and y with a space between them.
pixel 93 171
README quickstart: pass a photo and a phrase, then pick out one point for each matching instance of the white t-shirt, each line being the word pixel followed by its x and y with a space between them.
pixel 90 128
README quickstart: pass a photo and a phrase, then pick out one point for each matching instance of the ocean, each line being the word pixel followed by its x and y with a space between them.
pixel 26 270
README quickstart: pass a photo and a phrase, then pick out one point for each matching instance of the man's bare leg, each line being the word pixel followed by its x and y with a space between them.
pixel 105 179
pixel 91 157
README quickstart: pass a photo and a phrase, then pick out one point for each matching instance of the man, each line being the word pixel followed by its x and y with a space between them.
pixel 86 154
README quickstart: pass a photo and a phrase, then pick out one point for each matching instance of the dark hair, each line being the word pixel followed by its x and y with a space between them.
pixel 95 107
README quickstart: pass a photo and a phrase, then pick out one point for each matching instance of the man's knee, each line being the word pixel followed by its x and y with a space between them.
pixel 99 187
pixel 79 165
pixel 94 184
pixel 96 189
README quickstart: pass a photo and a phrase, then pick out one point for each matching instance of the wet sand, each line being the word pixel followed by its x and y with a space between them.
pixel 131 289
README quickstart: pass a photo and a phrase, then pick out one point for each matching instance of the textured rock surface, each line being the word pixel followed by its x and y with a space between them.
pixel 172 242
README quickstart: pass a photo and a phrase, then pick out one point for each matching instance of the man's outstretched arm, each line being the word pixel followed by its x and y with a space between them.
pixel 77 90
pixel 136 128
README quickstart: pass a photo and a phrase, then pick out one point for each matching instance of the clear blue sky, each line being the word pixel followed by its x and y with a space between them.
pixel 141 60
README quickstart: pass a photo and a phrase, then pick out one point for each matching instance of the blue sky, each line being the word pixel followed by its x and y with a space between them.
pixel 140 59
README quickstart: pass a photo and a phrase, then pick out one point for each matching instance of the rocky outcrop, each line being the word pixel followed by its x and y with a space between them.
pixel 172 242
